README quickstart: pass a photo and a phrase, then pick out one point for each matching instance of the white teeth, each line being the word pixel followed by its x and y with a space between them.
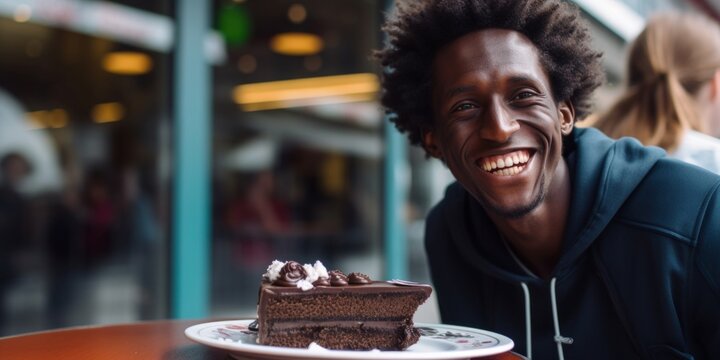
pixel 508 171
pixel 509 164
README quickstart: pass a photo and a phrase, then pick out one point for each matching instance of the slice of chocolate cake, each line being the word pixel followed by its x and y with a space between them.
pixel 300 305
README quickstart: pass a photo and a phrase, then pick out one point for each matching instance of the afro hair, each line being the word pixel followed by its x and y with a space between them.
pixel 420 27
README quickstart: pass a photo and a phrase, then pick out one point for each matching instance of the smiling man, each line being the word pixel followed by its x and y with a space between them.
pixel 572 244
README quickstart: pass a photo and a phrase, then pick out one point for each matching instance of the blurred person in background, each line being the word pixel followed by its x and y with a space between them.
pixel 258 219
pixel 257 227
pixel 140 235
pixel 14 221
pixel 99 222
pixel 65 258
pixel 325 211
pixel 673 89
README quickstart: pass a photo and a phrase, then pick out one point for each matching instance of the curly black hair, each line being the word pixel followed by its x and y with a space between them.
pixel 420 27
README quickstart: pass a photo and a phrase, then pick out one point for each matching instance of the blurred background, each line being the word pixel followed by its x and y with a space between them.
pixel 156 156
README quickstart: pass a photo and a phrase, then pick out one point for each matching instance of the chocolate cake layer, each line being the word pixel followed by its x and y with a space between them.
pixel 346 338
pixel 377 315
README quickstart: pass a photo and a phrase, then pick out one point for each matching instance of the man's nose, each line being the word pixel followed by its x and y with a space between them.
pixel 498 124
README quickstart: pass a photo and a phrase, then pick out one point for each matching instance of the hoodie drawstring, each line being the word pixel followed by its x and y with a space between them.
pixel 559 339
pixel 528 324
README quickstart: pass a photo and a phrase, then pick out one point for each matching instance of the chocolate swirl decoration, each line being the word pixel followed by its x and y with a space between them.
pixel 337 278
pixel 321 282
pixel 290 274
pixel 358 279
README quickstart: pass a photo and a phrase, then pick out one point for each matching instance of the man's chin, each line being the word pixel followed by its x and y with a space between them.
pixel 518 211
pixel 515 212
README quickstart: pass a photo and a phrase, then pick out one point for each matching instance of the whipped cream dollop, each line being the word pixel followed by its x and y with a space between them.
pixel 273 271
pixel 315 271
pixel 291 273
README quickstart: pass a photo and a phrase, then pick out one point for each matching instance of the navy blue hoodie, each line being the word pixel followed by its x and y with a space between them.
pixel 638 277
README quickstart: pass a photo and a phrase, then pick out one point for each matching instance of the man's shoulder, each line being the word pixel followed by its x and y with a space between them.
pixel 674 196
pixel 680 180
pixel 673 170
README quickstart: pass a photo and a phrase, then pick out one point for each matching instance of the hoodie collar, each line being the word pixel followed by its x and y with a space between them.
pixel 604 174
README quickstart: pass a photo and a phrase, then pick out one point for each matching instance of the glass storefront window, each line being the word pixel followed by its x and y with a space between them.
pixel 297 165
pixel 84 147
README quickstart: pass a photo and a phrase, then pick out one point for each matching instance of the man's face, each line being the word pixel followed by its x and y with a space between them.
pixel 496 124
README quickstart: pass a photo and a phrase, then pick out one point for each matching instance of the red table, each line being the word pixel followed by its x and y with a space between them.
pixel 153 340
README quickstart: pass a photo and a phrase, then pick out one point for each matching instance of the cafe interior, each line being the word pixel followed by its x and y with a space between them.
pixel 157 178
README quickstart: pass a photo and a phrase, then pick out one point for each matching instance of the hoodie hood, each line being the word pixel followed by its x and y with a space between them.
pixel 604 173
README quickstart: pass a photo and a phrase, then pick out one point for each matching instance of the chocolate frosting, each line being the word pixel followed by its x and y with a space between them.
pixel 323 281
pixel 357 278
pixel 337 278
pixel 290 274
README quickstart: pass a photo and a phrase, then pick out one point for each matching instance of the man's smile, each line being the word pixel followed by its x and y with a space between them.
pixel 507 164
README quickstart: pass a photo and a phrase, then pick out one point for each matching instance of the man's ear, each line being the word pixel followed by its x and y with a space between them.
pixel 566 115
pixel 430 144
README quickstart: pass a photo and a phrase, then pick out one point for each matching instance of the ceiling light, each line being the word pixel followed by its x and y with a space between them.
pixel 247 64
pixel 34 119
pixel 296 43
pixel 108 112
pixel 297 13
pixel 307 91
pixel 37 119
pixel 56 118
pixel 127 63
pixel 22 13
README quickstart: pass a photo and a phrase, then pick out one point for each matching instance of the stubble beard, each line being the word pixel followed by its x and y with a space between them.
pixel 519 212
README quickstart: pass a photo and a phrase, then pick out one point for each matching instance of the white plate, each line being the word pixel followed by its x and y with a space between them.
pixel 437 342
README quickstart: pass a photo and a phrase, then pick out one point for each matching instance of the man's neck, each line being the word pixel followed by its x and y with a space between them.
pixel 537 237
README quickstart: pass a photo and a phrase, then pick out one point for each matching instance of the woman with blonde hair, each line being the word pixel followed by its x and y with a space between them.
pixel 673 90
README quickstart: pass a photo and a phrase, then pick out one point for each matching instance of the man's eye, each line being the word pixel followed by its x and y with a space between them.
pixel 464 106
pixel 523 95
